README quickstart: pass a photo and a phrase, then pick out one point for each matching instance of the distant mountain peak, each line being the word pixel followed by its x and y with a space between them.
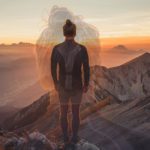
pixel 121 47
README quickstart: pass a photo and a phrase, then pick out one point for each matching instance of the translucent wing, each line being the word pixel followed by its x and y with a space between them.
pixel 53 34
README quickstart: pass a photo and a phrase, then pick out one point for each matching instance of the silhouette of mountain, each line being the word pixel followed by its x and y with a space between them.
pixel 120 48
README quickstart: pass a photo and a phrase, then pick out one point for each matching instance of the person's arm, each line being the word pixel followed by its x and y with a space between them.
pixel 54 67
pixel 86 69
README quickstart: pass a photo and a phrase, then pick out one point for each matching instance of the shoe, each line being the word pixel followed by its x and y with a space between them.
pixel 63 142
pixel 75 139
pixel 66 139
pixel 66 146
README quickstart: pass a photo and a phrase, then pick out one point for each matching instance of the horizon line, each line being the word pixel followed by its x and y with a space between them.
pixel 101 38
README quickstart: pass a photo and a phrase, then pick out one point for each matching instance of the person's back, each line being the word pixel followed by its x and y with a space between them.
pixel 70 56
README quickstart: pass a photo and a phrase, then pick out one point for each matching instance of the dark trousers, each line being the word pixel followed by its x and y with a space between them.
pixel 75 120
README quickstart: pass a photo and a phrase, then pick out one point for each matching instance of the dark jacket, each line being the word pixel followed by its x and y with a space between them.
pixel 80 59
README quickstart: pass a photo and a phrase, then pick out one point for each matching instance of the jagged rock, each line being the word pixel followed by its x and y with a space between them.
pixel 38 141
pixel 32 141
pixel 86 146
pixel 125 82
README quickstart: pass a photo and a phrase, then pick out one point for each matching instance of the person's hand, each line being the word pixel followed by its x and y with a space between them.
pixel 85 89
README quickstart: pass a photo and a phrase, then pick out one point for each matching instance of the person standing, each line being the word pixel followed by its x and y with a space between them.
pixel 70 56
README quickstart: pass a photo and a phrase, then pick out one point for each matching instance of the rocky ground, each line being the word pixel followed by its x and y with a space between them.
pixel 110 119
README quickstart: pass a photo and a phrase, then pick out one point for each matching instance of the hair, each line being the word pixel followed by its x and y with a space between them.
pixel 69 29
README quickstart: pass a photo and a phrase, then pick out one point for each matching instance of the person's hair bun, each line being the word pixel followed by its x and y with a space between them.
pixel 69 28
pixel 68 22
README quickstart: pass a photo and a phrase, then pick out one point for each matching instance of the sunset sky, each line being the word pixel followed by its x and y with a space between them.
pixel 24 20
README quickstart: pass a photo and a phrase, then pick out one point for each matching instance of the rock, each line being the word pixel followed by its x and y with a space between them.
pixel 38 141
pixel 32 141
pixel 125 82
pixel 86 146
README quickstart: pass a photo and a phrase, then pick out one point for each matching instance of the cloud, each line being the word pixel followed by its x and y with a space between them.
pixel 87 34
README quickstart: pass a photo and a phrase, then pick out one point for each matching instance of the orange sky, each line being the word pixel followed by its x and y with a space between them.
pixel 25 20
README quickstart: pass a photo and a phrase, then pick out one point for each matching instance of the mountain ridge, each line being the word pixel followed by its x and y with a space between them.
pixel 105 112
pixel 108 82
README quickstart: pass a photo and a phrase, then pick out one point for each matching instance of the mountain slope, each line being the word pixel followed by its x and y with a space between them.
pixel 123 83
pixel 28 114
pixel 116 126
pixel 126 82
pixel 120 126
